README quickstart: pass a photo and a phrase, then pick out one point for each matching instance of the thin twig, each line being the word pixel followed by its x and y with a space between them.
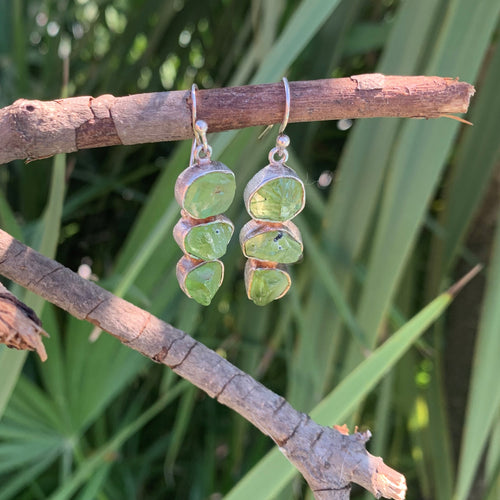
pixel 457 287
pixel 36 129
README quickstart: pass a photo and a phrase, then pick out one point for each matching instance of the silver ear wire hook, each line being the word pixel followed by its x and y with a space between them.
pixel 284 123
pixel 199 130
pixel 194 88
pixel 282 141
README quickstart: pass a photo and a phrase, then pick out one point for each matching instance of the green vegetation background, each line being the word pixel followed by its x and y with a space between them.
pixel 384 238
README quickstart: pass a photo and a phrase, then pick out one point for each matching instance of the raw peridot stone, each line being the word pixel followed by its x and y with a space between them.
pixel 273 246
pixel 267 284
pixel 210 194
pixel 208 241
pixel 279 199
pixel 203 281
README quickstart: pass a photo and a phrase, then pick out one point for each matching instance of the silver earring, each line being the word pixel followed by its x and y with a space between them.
pixel 204 190
pixel 270 240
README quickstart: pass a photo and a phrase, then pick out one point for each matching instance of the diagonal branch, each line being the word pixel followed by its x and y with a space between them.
pixel 328 459
pixel 36 129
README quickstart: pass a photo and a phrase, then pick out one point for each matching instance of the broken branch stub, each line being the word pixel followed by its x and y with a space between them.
pixel 20 327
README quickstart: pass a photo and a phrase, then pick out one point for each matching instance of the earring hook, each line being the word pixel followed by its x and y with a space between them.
pixel 199 129
pixel 196 138
pixel 282 141
pixel 284 123
pixel 194 88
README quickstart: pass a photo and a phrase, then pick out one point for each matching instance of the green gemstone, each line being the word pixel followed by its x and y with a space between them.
pixel 274 246
pixel 267 285
pixel 210 194
pixel 203 281
pixel 279 199
pixel 208 241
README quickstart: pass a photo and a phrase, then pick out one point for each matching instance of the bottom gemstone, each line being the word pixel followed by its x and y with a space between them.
pixel 200 279
pixel 266 281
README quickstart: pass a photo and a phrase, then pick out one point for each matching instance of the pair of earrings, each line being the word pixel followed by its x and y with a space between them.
pixel 269 240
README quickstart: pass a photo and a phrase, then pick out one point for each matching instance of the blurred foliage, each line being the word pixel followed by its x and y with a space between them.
pixel 390 203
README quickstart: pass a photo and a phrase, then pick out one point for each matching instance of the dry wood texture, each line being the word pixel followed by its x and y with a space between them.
pixel 328 459
pixel 35 129
pixel 20 327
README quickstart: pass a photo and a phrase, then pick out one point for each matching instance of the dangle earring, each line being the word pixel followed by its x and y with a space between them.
pixel 270 240
pixel 204 190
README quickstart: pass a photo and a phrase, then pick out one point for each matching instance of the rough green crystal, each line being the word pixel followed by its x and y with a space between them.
pixel 208 241
pixel 210 194
pixel 279 199
pixel 203 281
pixel 267 285
pixel 274 246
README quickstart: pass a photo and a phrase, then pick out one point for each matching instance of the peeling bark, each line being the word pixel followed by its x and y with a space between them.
pixel 20 327
pixel 33 130
pixel 328 459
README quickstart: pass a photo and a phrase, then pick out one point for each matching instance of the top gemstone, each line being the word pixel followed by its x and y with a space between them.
pixel 205 189
pixel 279 199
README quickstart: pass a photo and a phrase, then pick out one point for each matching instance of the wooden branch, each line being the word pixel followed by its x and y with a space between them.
pixel 35 129
pixel 328 459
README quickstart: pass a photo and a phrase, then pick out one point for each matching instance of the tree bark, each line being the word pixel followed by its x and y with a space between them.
pixel 328 459
pixel 35 129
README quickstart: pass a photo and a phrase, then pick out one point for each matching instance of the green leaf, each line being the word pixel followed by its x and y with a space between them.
pixel 95 373
pixel 302 26
pixel 477 155
pixel 92 463
pixel 484 399
pixel 12 362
